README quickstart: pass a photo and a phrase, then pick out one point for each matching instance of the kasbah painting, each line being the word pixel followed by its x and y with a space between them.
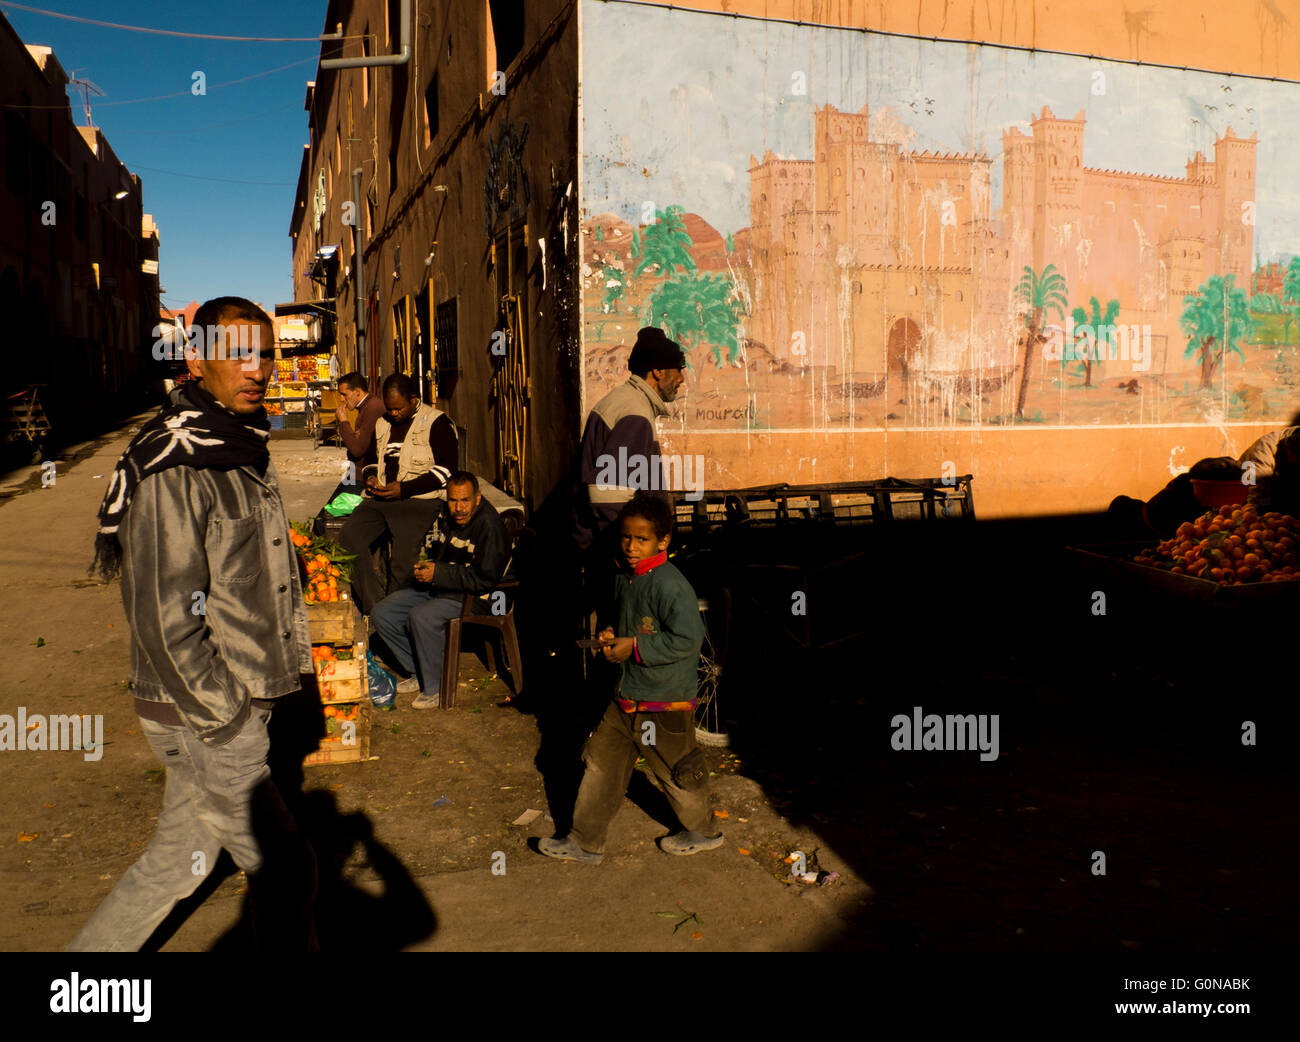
pixel 856 233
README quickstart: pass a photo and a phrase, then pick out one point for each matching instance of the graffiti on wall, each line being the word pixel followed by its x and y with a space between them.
pixel 846 230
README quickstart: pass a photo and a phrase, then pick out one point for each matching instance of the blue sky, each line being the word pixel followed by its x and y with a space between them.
pixel 217 237
pixel 682 129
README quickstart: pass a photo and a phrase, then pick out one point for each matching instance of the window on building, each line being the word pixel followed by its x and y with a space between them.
pixel 16 148
pixel 393 24
pixel 365 72
pixel 446 359
pixel 431 111
pixel 958 297
pixel 505 25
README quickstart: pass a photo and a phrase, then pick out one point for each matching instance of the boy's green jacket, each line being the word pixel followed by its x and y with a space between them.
pixel 660 609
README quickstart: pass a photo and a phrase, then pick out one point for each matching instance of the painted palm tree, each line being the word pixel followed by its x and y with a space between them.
pixel 665 246
pixel 1102 322
pixel 1214 318
pixel 1039 293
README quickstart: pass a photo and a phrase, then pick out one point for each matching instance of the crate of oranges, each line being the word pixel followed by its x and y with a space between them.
pixel 340 672
pixel 326 571
pixel 347 735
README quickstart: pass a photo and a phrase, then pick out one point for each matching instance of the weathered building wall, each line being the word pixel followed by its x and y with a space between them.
pixel 465 193
pixel 78 308
pixel 855 325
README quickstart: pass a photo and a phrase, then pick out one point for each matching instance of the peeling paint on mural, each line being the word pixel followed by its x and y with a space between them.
pixel 855 232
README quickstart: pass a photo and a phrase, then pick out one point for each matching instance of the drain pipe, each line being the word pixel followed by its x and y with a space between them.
pixel 400 58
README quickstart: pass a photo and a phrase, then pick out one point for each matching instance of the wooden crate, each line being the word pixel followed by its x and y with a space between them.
pixel 342 680
pixel 332 623
pixel 343 744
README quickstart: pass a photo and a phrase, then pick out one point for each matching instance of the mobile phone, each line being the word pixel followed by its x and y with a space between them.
pixel 591 642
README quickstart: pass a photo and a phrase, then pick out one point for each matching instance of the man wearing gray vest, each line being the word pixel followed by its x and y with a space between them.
pixel 416 448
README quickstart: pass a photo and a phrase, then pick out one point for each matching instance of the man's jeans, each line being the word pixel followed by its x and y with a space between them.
pixel 215 798
pixel 610 755
pixel 413 623
pixel 406 521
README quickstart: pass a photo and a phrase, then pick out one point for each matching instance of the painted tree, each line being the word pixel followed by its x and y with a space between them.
pixel 1214 319
pixel 614 281
pixel 1269 304
pixel 731 242
pixel 1039 294
pixel 1291 292
pixel 699 309
pixel 600 233
pixel 666 246
pixel 1086 348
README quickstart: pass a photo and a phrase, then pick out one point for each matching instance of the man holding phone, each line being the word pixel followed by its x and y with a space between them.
pixel 416 450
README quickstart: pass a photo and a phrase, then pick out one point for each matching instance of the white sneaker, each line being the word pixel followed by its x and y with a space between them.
pixel 409 686
pixel 423 701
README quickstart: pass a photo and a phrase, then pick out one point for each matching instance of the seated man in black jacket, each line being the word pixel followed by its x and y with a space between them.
pixel 465 551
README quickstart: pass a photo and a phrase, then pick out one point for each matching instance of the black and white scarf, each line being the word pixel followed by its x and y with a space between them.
pixel 192 430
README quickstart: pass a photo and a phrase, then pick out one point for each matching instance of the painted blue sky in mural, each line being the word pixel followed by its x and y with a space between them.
pixel 674 103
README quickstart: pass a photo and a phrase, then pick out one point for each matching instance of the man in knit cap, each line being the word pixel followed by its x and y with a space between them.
pixel 619 440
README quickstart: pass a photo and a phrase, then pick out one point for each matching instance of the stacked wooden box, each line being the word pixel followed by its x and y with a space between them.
pixel 342 684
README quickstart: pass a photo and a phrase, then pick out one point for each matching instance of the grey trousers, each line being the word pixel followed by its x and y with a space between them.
pixel 215 798
pixel 610 755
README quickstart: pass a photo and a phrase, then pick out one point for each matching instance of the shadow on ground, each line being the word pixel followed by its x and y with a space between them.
pixel 1119 733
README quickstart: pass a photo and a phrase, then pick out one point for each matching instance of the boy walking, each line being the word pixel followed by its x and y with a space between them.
pixel 656 639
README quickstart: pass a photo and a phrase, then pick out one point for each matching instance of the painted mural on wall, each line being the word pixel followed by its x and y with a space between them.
pixel 853 231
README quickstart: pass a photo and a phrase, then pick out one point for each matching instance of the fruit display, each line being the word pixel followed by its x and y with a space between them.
pixel 1231 546
pixel 328 652
pixel 336 716
pixel 327 566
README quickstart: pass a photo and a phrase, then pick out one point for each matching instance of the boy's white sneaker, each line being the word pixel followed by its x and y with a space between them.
pixel 687 842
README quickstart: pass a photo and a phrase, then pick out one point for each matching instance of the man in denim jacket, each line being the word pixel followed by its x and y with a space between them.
pixel 194 524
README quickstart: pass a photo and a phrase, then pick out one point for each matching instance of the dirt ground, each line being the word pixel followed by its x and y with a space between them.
pixel 400 867
pixel 1121 735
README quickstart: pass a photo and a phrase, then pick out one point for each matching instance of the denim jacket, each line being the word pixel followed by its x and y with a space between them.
pixel 211 590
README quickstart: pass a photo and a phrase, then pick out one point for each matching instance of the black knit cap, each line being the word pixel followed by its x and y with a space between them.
pixel 653 350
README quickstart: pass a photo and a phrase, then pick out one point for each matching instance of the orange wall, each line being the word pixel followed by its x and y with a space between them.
pixel 1248 38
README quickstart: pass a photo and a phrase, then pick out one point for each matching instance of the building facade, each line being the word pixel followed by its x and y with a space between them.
pixel 465 216
pixel 78 256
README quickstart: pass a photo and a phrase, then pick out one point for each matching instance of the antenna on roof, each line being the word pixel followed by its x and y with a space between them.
pixel 87 89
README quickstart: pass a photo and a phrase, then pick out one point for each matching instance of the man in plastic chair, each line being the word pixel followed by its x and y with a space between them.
pixel 466 550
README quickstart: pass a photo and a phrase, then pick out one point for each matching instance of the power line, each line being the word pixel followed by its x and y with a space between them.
pixel 200 177
pixel 177 94
pixel 169 133
pixel 160 32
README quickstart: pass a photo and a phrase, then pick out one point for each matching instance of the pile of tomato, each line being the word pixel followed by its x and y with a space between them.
pixel 1232 545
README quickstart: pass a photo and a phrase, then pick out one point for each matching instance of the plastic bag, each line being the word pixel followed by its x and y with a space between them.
pixel 343 504
pixel 381 684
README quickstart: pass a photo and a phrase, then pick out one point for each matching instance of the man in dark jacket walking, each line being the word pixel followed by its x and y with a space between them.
pixel 466 550
pixel 194 524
